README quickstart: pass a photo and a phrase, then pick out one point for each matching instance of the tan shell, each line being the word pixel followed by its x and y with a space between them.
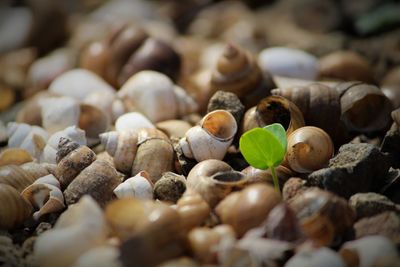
pixel 14 209
pixel 80 228
pixel 213 180
pixel 248 208
pixel 255 175
pixel 7 97
pixel 30 113
pixel 44 194
pixel 174 128
pixel 210 139
pixel 14 156
pixel 24 175
pixel 93 121
pixel 318 212
pixel 203 242
pixel 308 149
pixel 273 109
pixel 192 209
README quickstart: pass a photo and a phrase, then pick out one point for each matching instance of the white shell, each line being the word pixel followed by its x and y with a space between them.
pixel 102 256
pixel 44 194
pixel 316 258
pixel 30 138
pixel 50 150
pixel 80 228
pixel 186 103
pixel 289 62
pixel 132 121
pixel 138 186
pixel 104 101
pixel 372 248
pixel 154 94
pixel 201 142
pixel 59 113
pixel 79 83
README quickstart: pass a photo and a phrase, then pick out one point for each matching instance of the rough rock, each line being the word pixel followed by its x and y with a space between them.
pixel 370 204
pixel 227 101
pixel 356 168
pixel 391 145
pixel 170 187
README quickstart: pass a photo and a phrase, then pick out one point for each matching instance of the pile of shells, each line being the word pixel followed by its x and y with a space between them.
pixel 119 138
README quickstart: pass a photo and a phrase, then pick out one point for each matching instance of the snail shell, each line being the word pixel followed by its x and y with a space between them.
pixel 155 95
pixel 132 121
pixel 347 66
pixel 210 139
pixel 78 84
pixel 174 128
pixel 14 209
pixel 320 257
pixel 93 121
pixel 315 101
pixel 139 186
pixel 289 62
pixel 44 194
pixel 318 210
pixel 213 180
pixel 237 72
pixel 14 156
pixel 364 107
pixel 24 175
pixel 100 256
pixel 50 150
pixel 80 173
pixel 80 228
pixel 31 138
pixel 203 242
pixel 255 175
pixel 273 109
pixel 309 148
pixel 193 209
pixel 248 208
pixel 31 112
pixel 390 85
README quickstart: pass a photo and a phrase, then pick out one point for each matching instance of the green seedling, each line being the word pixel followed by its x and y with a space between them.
pixel 265 148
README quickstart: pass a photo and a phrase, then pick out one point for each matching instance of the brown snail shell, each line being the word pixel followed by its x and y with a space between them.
pixel 93 121
pixel 80 173
pixel 273 109
pixel 347 66
pixel 213 180
pixel 193 209
pixel 203 242
pixel 318 212
pixel 255 175
pixel 364 107
pixel 248 208
pixel 24 175
pixel 30 113
pixel 14 209
pixel 390 85
pixel 14 156
pixel 237 72
pixel 315 101
pixel 309 148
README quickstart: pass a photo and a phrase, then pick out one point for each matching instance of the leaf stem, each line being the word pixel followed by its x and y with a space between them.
pixel 275 179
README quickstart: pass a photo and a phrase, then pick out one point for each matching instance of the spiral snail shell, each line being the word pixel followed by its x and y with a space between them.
pixel 139 186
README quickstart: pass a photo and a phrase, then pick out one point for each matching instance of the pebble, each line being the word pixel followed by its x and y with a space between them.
pixel 370 204
pixel 227 101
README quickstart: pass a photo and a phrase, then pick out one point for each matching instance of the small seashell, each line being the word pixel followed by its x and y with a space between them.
pixel 78 83
pixel 139 186
pixel 14 209
pixel 14 156
pixel 50 150
pixel 210 139
pixel 45 195
pixel 59 113
pixel 289 62
pixel 316 258
pixel 132 121
pixel 31 138
pixel 93 121
pixel 80 228
pixel 174 128
pixel 101 256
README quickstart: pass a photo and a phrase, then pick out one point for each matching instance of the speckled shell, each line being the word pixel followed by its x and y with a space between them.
pixel 213 180
pixel 79 229
pixel 210 139
pixel 193 209
pixel 308 149
pixel 24 175
pixel 14 209
pixel 44 194
pixel 234 210
pixel 31 138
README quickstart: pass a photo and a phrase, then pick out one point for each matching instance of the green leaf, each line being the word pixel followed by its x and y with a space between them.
pixel 279 132
pixel 261 148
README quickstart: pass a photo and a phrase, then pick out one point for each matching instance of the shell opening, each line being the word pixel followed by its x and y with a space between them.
pixel 220 123
pixel 273 111
pixel 228 177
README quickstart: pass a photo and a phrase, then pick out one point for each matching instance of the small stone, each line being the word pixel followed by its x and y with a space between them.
pixel 170 187
pixel 391 145
pixel 391 189
pixel 356 168
pixel 370 204
pixel 386 224
pixel 43 227
pixel 292 187
pixel 227 101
